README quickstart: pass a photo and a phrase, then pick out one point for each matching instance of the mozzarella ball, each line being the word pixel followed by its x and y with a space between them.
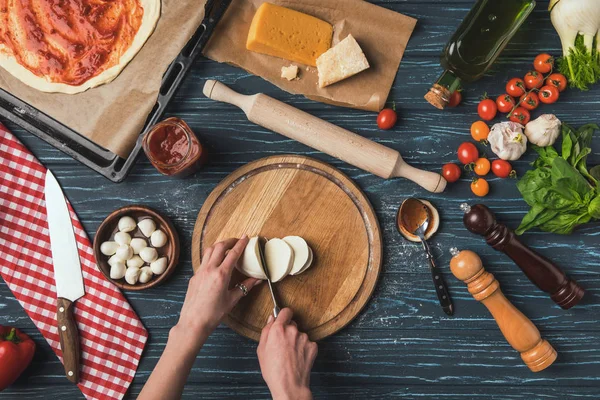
pixel 147 226
pixel 109 248
pixel 132 275
pixel 124 252
pixel 159 266
pixel 137 244
pixel 122 238
pixel 114 259
pixel 148 254
pixel 145 275
pixel 135 262
pixel 126 224
pixel 117 270
pixel 158 238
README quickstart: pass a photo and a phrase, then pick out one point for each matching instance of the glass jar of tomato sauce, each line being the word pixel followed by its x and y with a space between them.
pixel 173 148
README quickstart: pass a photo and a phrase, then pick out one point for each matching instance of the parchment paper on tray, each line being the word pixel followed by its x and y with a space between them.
pixel 381 33
pixel 113 115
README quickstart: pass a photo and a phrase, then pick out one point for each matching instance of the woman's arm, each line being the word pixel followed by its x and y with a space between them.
pixel 207 301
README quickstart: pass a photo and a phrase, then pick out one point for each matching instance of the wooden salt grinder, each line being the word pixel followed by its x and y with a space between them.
pixel 518 330
pixel 541 272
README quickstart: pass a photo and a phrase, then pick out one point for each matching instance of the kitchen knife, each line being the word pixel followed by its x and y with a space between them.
pixel 67 274
pixel 266 271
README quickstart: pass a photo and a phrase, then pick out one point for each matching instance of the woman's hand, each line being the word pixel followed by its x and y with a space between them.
pixel 209 297
pixel 286 357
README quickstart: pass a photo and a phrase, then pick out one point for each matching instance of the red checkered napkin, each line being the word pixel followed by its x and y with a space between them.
pixel 111 334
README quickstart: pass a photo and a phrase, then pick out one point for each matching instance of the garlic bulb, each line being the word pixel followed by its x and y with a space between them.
pixel 124 252
pixel 507 140
pixel 148 254
pixel 159 266
pixel 137 244
pixel 109 248
pixel 135 262
pixel 117 270
pixel 544 130
pixel 132 275
pixel 126 224
pixel 122 238
pixel 158 238
pixel 145 275
pixel 147 226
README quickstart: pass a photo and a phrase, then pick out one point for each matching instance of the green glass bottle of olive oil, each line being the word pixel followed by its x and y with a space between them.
pixel 477 43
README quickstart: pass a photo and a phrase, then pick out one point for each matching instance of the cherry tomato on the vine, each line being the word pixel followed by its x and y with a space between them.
pixel 451 172
pixel 533 79
pixel 502 169
pixel 480 131
pixel 467 153
pixel 520 116
pixel 558 80
pixel 505 103
pixel 543 63
pixel 549 94
pixel 480 187
pixel 530 101
pixel 487 109
pixel 515 87
pixel 455 98
pixel 482 166
pixel 387 119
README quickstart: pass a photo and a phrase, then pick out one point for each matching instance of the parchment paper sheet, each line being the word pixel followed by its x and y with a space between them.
pixel 381 33
pixel 114 114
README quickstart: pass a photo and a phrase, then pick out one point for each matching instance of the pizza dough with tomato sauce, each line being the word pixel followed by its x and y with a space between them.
pixel 70 46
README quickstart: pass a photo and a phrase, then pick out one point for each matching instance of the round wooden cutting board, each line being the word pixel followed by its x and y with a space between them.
pixel 281 196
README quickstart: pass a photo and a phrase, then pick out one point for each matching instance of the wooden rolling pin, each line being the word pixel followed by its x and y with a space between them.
pixel 518 330
pixel 324 136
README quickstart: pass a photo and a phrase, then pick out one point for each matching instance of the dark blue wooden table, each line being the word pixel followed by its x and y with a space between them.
pixel 402 345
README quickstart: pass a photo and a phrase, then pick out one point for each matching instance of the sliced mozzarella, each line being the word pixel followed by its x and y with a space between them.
pixel 250 264
pixel 308 262
pixel 301 252
pixel 279 257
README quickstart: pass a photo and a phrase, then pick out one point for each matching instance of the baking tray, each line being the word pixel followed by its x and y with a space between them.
pixel 84 150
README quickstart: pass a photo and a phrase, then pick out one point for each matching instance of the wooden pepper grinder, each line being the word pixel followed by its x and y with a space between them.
pixel 518 330
pixel 542 272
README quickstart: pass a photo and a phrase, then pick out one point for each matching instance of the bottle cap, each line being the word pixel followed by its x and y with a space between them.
pixel 438 96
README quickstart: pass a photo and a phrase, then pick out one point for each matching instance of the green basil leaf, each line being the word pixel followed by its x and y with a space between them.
pixel 562 169
pixel 546 156
pixel 594 207
pixel 536 216
pixel 595 173
pixel 565 223
pixel 567 142
pixel 534 185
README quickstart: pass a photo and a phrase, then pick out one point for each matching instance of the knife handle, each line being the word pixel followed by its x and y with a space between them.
pixel 441 289
pixel 69 339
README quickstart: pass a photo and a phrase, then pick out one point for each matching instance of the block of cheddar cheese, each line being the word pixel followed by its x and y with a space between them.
pixel 342 61
pixel 285 33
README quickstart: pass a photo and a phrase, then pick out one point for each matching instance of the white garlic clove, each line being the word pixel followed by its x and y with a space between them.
pixel 147 226
pixel 114 259
pixel 122 238
pixel 124 252
pixel 109 248
pixel 132 275
pixel 159 266
pixel 135 262
pixel 126 224
pixel 117 270
pixel 137 244
pixel 145 275
pixel 158 238
pixel 149 254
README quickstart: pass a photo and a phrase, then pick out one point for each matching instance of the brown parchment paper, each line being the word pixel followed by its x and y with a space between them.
pixel 381 33
pixel 113 115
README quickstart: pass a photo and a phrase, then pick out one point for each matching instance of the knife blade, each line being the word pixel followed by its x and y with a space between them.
pixel 266 271
pixel 67 274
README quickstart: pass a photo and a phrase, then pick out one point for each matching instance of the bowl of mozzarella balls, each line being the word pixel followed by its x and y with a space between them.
pixel 136 248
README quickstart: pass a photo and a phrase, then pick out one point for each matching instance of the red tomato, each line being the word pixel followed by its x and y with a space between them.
pixel 558 80
pixel 515 87
pixel 502 169
pixel 455 98
pixel 467 153
pixel 487 109
pixel 520 116
pixel 480 187
pixel 505 103
pixel 482 166
pixel 451 172
pixel 533 79
pixel 386 119
pixel 530 101
pixel 543 63
pixel 549 94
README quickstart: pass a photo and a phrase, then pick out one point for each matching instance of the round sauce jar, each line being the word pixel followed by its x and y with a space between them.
pixel 173 148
